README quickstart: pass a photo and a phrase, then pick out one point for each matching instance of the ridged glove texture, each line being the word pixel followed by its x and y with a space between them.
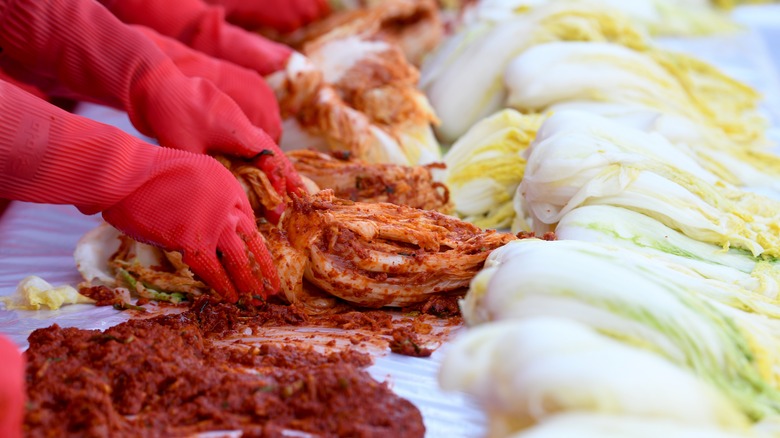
pixel 204 28
pixel 281 15
pixel 11 389
pixel 246 87
pixel 78 45
pixel 169 198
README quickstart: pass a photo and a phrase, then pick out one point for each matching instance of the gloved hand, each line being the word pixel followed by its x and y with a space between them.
pixel 203 28
pixel 79 46
pixel 11 389
pixel 23 85
pixel 172 199
pixel 282 15
pixel 246 87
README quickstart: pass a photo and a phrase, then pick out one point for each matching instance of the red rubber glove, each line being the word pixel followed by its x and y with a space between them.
pixel 12 395
pixel 79 45
pixel 282 15
pixel 172 199
pixel 203 28
pixel 247 88
pixel 23 85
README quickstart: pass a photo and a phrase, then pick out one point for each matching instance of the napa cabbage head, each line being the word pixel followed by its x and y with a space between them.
pixel 639 301
pixel 586 425
pixel 474 58
pixel 670 83
pixel 741 165
pixel 657 17
pixel 738 279
pixel 525 371
pixel 485 166
pixel 728 4
pixel 581 159
pixel 464 78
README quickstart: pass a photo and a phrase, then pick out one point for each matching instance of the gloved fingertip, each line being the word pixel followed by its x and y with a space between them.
pixel 267 162
pixel 209 269
pixel 262 157
pixel 295 185
pixel 227 293
pixel 270 289
pixel 265 262
pixel 325 8
pixel 257 302
pixel 230 297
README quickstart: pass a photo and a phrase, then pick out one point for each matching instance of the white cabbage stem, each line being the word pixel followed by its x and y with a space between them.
pixel 580 159
pixel 639 300
pixel 522 372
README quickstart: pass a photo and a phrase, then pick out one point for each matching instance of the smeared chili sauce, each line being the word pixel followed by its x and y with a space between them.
pixel 405 341
pixel 171 376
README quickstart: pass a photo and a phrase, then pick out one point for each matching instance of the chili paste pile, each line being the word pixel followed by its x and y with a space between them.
pixel 171 376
